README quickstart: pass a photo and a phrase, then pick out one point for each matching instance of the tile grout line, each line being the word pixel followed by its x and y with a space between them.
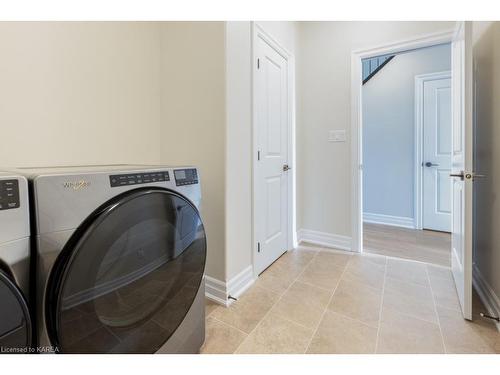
pixel 277 300
pixel 347 317
pixel 291 321
pixel 411 260
pixel 435 310
pixel 381 306
pixel 231 326
pixel 211 312
pixel 326 306
pixel 280 296
pixel 410 315
pixel 225 324
pixel 325 310
pixel 261 287
pixel 314 286
pixel 341 314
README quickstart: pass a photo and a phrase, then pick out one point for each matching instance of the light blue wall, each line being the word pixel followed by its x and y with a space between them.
pixel 388 130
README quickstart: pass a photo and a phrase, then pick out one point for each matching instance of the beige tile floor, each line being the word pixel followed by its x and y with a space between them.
pixel 315 300
pixel 421 245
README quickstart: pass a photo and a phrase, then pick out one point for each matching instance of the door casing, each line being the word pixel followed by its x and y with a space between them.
pixel 259 32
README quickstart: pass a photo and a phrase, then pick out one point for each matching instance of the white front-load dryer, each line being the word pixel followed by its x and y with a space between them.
pixel 120 259
pixel 16 323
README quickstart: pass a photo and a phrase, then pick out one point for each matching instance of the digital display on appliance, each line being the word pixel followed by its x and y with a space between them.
pixel 185 176
pixel 180 175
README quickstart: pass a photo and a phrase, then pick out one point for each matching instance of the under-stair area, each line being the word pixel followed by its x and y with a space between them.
pixel 373 65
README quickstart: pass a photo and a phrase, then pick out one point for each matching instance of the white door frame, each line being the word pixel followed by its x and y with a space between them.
pixel 259 32
pixel 421 41
pixel 419 134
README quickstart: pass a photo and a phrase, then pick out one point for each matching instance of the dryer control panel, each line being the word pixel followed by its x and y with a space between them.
pixel 185 176
pixel 138 178
pixel 9 194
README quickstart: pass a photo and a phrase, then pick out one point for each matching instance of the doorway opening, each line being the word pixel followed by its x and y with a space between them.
pixel 406 151
pixel 462 145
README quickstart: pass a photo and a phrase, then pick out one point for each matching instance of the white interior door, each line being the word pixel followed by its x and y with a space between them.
pixel 437 154
pixel 462 159
pixel 271 121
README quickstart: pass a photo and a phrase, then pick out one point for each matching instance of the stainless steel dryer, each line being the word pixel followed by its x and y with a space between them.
pixel 120 259
pixel 15 319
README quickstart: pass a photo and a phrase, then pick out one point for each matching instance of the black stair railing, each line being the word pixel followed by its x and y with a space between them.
pixel 373 65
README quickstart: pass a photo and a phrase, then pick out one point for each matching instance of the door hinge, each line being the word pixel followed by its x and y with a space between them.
pixel 258 247
pixel 258 63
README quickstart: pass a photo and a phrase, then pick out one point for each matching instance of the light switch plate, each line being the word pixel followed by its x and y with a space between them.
pixel 336 136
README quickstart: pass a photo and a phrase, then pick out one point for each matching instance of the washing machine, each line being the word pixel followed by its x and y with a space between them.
pixel 120 259
pixel 16 323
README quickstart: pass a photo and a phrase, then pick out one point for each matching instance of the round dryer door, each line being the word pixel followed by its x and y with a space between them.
pixel 128 275
pixel 15 321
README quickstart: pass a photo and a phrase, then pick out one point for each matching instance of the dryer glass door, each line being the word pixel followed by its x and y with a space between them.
pixel 15 321
pixel 128 276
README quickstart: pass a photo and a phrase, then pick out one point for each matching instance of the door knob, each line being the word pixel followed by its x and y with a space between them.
pixel 286 167
pixel 429 164
pixel 467 175
pixel 473 176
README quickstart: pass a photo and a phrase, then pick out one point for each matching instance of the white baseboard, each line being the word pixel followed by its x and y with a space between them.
pixel 215 290
pixel 396 221
pixel 490 300
pixel 219 291
pixel 325 239
pixel 241 282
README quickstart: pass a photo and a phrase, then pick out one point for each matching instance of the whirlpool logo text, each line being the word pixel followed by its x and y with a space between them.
pixel 76 185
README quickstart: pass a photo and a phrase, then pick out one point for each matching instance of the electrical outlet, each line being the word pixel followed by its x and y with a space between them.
pixel 336 136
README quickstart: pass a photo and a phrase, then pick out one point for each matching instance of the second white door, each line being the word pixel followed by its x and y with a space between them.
pixel 437 155
pixel 271 122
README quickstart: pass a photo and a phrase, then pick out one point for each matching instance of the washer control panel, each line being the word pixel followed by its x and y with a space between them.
pixel 185 176
pixel 9 194
pixel 138 178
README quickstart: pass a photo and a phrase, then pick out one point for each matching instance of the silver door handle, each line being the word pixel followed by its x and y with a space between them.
pixel 429 164
pixel 286 167
pixel 467 175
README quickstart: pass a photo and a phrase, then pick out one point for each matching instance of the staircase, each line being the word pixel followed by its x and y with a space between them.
pixel 373 65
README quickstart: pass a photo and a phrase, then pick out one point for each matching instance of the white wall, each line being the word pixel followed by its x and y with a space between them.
pixel 193 122
pixel 487 153
pixel 76 93
pixel 140 92
pixel 323 104
pixel 79 93
pixel 389 131
pixel 239 147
